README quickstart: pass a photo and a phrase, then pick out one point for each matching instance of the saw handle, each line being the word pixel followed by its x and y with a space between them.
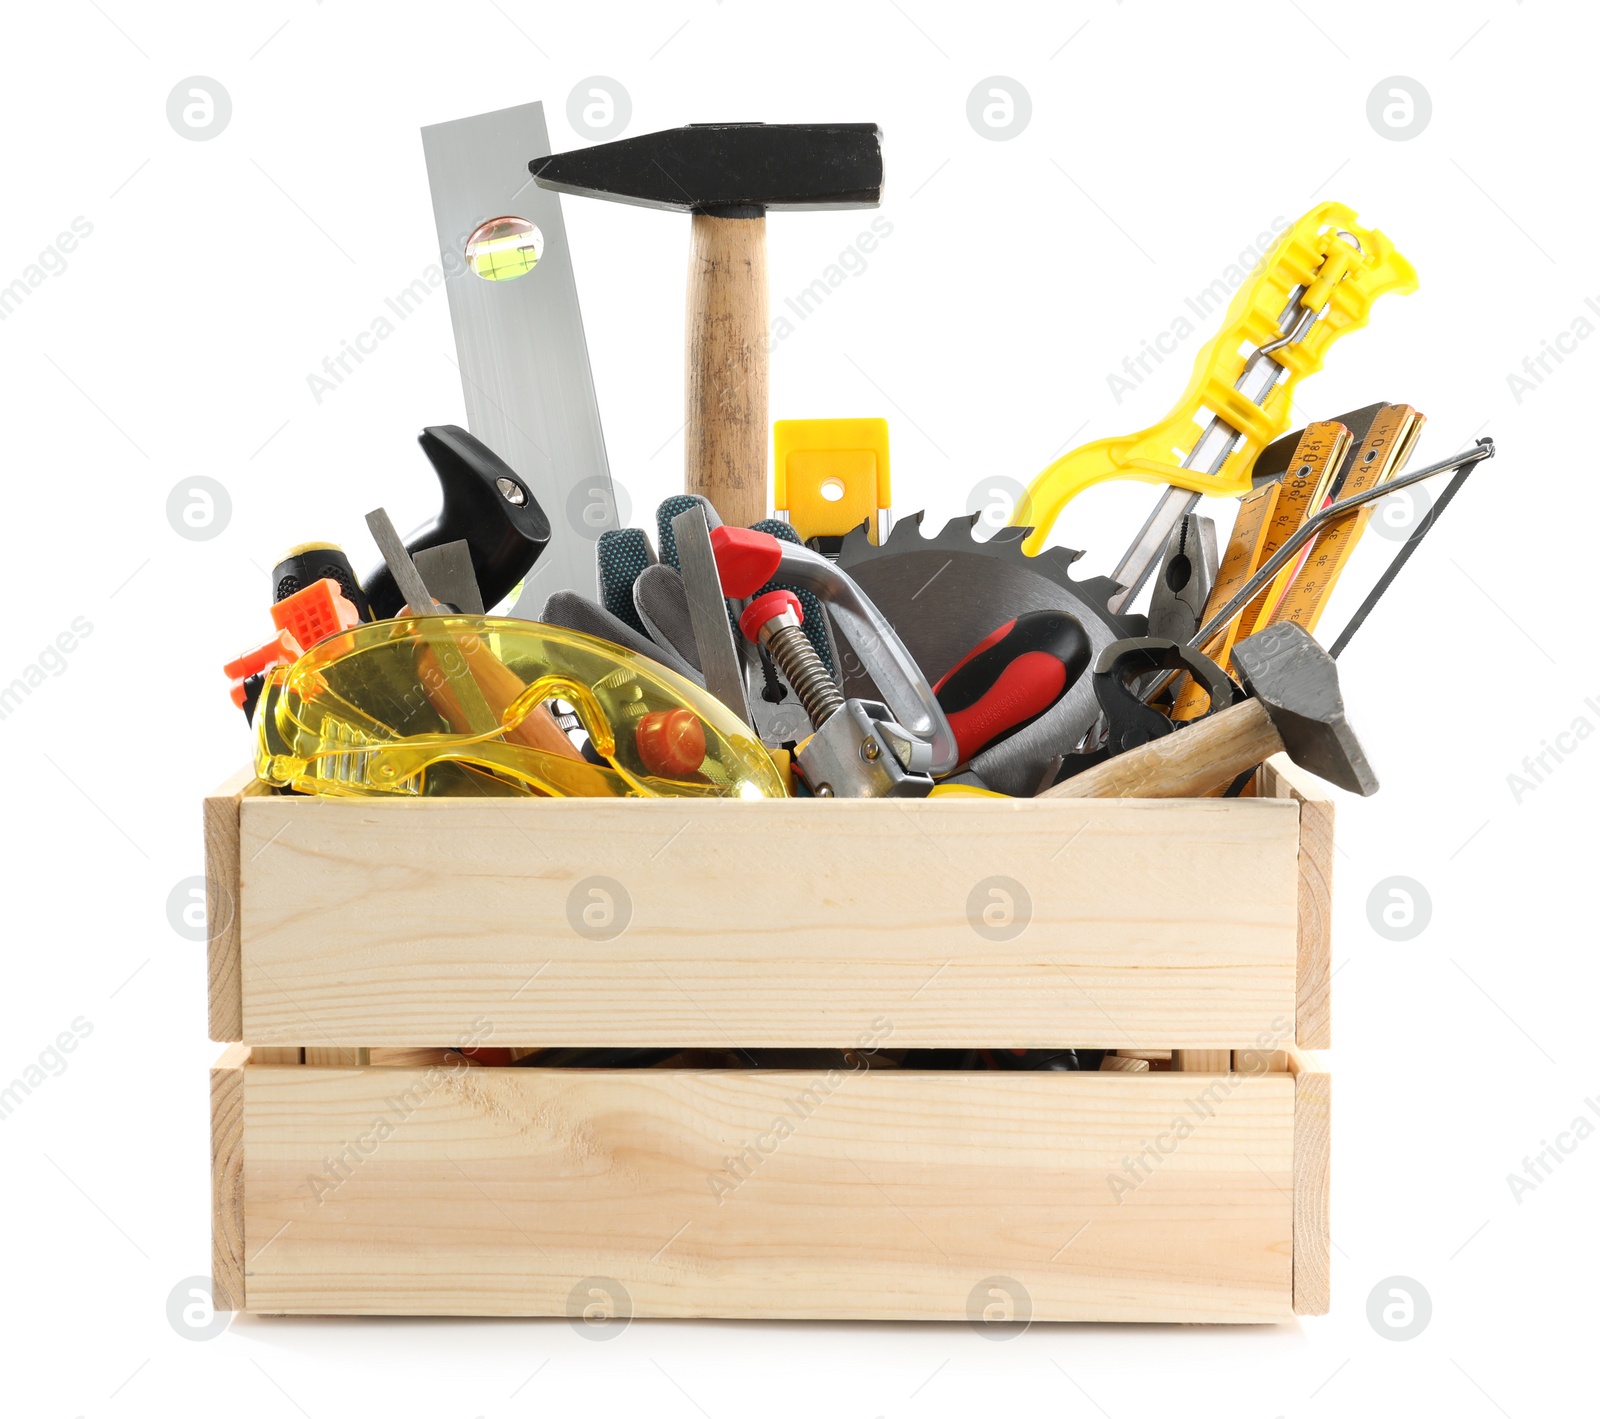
pixel 725 367
pixel 484 504
pixel 1188 764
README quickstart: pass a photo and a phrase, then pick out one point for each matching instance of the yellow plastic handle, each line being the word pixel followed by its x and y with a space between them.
pixel 1315 253
pixel 828 475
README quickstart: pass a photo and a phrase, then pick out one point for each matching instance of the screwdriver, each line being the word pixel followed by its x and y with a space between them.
pixel 1011 677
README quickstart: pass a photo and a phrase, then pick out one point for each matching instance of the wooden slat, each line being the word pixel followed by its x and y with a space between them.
pixel 496 1191
pixel 221 826
pixel 338 1057
pixel 413 1058
pixel 1313 1101
pixel 1261 1061
pixel 1314 974
pixel 1202 1061
pixel 1153 923
pixel 227 1179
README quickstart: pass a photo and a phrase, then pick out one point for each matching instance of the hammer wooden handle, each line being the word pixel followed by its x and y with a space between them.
pixel 1188 763
pixel 725 367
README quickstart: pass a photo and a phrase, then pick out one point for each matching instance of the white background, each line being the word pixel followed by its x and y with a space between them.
pixel 177 342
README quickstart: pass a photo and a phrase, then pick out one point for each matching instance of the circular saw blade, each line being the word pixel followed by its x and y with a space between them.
pixel 944 594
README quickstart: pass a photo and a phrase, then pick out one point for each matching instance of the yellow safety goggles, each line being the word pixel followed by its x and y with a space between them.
pixel 461 705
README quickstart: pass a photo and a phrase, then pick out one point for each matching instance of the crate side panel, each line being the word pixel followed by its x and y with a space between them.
pixel 585 922
pixel 870 1195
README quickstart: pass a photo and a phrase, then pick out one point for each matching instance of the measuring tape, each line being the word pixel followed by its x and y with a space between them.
pixel 1300 593
pixel 1317 282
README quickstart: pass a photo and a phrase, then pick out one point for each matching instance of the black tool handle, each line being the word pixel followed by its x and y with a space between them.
pixel 318 561
pixel 1129 722
pixel 485 505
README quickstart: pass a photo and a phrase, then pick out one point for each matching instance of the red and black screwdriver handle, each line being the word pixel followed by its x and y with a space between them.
pixel 1011 677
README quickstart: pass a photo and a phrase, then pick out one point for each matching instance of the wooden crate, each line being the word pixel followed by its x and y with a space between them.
pixel 398 1182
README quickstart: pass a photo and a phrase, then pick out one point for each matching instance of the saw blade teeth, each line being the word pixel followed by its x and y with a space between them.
pixel 851 548
pixel 858 548
pixel 1091 596
pixel 956 535
pixel 906 529
pixel 1060 558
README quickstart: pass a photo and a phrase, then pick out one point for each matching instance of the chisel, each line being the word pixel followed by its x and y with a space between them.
pixel 448 682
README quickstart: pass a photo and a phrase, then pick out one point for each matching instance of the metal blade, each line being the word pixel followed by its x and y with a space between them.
pixel 713 637
pixel 448 572
pixel 401 567
pixel 468 694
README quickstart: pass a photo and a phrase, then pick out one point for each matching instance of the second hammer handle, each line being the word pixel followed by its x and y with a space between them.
pixel 1188 763
pixel 725 367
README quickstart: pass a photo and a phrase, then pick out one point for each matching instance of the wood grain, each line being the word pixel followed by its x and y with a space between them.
pixel 227 1179
pixel 725 367
pixel 1202 1061
pixel 1261 1061
pixel 411 1058
pixel 429 923
pixel 220 819
pixel 337 1057
pixel 1314 972
pixel 1313 1104
pixel 1206 756
pixel 887 1195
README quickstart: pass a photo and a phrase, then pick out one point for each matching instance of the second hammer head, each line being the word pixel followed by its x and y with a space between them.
pixel 1297 683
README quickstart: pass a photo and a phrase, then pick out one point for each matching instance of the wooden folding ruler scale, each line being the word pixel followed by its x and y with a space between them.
pixel 1271 516
pixel 1334 459
pixel 1300 592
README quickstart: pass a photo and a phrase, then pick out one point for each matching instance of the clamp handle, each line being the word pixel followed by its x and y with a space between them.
pixel 1316 254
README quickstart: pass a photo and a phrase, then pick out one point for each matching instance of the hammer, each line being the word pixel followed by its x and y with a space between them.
pixel 727 175
pixel 1296 709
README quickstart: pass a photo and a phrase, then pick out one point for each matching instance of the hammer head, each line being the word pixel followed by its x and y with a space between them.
pixel 728 169
pixel 1297 683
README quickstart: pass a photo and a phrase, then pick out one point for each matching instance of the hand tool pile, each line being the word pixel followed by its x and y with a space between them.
pixel 799 646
